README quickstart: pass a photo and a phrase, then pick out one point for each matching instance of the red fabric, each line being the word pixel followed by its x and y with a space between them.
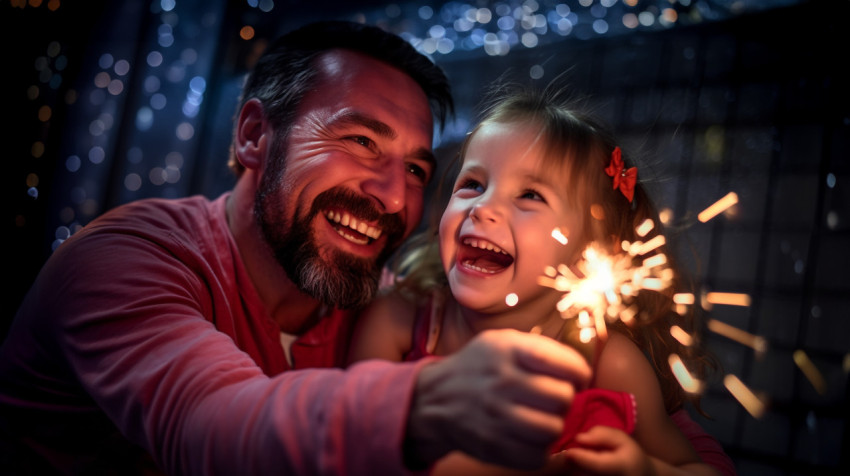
pixel 143 334
pixel 596 406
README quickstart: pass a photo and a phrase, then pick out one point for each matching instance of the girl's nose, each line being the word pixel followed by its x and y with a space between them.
pixel 485 211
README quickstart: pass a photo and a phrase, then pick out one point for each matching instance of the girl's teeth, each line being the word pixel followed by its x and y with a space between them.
pixel 484 245
pixel 478 268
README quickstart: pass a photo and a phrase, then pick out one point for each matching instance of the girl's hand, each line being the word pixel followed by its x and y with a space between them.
pixel 608 451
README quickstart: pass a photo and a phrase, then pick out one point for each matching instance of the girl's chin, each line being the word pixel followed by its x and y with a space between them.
pixel 480 301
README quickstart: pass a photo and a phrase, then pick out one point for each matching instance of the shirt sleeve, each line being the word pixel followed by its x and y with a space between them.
pixel 130 322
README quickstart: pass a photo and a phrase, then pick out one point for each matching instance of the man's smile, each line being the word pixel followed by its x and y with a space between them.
pixel 352 228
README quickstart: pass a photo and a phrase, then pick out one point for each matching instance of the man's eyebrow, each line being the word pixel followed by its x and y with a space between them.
pixel 354 118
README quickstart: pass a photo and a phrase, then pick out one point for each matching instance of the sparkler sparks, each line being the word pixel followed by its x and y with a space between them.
pixel 729 299
pixel 601 288
pixel 718 207
pixel 558 235
pixel 681 335
pixel 744 395
pixel 810 371
pixel 686 380
pixel 757 343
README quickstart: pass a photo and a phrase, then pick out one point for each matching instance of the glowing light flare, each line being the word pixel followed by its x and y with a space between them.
pixel 665 215
pixel 655 284
pixel 586 335
pixel 681 335
pixel 655 260
pixel 638 248
pixel 511 299
pixel 681 301
pixel 587 330
pixel 600 327
pixel 246 32
pixel 744 395
pixel 726 299
pixel 688 382
pixel 718 207
pixel 810 371
pixel 627 315
pixel 757 343
pixel 645 227
pixel 559 236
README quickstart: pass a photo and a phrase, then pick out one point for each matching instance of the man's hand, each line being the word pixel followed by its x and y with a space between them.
pixel 501 399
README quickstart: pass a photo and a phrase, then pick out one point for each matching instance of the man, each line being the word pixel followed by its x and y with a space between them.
pixel 167 335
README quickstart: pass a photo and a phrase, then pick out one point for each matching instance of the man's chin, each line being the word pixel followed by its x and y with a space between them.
pixel 339 279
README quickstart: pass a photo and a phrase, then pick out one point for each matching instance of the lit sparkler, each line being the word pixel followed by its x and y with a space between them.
pixel 602 288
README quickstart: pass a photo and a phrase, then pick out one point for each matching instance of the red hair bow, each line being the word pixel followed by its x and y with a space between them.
pixel 624 179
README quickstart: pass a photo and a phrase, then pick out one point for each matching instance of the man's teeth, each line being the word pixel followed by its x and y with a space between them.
pixel 345 219
pixel 484 245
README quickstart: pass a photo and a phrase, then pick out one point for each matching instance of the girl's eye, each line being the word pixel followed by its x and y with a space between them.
pixel 470 184
pixel 532 195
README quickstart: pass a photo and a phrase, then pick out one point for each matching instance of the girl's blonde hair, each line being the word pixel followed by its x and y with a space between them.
pixel 577 147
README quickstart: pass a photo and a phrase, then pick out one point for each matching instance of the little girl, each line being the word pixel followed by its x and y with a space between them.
pixel 529 167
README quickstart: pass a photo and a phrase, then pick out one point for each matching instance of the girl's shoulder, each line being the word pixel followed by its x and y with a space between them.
pixel 623 366
pixel 385 327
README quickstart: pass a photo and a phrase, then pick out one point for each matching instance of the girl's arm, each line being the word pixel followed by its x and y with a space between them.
pixel 384 330
pixel 660 447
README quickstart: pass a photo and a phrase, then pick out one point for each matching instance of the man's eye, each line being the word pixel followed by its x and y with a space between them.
pixel 363 140
pixel 418 172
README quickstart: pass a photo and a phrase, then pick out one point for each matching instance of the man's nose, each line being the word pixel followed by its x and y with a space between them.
pixel 388 186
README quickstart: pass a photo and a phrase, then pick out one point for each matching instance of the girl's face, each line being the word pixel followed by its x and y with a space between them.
pixel 496 232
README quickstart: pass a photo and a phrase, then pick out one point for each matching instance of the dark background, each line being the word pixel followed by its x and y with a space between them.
pixel 741 96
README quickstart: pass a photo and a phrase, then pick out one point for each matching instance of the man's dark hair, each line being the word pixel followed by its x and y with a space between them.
pixel 287 69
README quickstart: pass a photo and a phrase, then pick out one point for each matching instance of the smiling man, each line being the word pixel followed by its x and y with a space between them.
pixel 185 336
pixel 342 190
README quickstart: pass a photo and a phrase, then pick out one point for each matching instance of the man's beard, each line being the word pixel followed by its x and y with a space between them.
pixel 329 275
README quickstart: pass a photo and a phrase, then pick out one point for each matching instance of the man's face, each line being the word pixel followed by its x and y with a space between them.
pixel 348 188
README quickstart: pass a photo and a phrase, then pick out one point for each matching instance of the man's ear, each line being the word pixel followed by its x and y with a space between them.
pixel 253 135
